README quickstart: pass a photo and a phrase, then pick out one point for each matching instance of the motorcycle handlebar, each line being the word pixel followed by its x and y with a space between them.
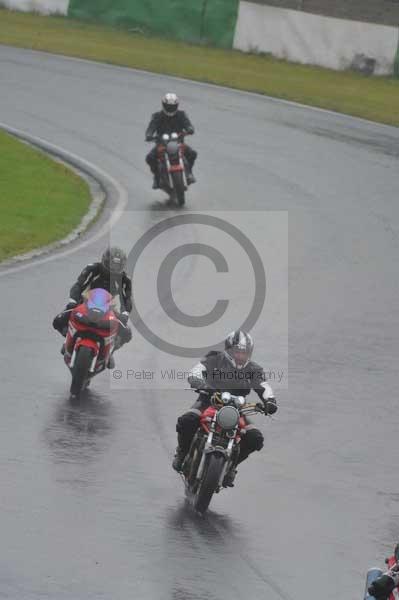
pixel 158 138
pixel 247 408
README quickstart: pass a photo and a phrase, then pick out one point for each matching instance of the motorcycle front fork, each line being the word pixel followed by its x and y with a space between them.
pixel 208 449
pixel 183 166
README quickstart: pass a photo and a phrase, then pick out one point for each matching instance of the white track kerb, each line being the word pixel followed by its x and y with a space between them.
pixel 110 186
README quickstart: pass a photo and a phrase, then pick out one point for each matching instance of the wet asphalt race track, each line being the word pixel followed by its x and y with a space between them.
pixel 90 508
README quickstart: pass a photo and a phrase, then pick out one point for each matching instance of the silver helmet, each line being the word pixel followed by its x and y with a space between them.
pixel 170 104
pixel 238 348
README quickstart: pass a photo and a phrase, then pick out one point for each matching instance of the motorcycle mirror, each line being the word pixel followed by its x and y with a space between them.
pixel 226 397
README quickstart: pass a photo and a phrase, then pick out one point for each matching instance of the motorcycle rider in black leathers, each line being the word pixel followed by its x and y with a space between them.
pixel 109 274
pixel 229 371
pixel 169 120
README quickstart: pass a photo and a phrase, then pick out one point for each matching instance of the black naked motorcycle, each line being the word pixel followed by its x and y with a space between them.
pixel 216 446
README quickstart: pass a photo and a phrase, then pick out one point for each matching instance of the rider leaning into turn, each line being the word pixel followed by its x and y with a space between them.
pixel 169 120
pixel 229 371
pixel 110 275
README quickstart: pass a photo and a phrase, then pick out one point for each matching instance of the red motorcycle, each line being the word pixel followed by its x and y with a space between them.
pixel 172 167
pixel 216 446
pixel 92 331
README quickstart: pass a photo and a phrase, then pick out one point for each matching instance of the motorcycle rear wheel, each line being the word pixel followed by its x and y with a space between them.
pixel 209 482
pixel 80 371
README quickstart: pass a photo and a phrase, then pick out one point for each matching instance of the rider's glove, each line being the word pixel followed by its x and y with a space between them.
pixel 71 304
pixel 124 318
pixel 199 385
pixel 382 587
pixel 270 406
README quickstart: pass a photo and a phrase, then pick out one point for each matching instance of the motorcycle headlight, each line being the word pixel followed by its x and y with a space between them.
pixel 172 147
pixel 228 417
pixel 94 315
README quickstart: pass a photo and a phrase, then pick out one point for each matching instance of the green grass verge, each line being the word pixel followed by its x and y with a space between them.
pixel 41 201
pixel 374 98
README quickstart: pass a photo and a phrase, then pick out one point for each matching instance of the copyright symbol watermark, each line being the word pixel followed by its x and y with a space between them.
pixel 117 374
pixel 165 273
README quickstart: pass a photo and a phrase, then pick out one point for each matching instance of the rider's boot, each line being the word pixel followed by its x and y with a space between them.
pixel 228 480
pixel 155 182
pixel 111 362
pixel 190 178
pixel 178 459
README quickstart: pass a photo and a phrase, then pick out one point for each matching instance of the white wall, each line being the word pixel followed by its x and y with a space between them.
pixel 43 6
pixel 313 39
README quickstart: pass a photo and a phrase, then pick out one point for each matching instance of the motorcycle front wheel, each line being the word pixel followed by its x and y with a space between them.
pixel 80 371
pixel 209 482
pixel 178 184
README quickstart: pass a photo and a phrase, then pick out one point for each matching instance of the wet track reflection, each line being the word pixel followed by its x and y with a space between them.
pixel 76 432
pixel 211 553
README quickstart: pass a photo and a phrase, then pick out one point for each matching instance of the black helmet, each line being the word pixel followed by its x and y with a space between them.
pixel 170 104
pixel 114 260
pixel 238 348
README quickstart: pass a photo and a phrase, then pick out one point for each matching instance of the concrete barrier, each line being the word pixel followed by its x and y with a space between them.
pixel 45 7
pixel 314 39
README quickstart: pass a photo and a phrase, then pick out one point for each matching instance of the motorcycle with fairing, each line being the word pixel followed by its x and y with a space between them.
pixel 216 446
pixel 92 330
pixel 172 166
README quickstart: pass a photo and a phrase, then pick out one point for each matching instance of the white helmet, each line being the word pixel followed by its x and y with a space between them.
pixel 170 104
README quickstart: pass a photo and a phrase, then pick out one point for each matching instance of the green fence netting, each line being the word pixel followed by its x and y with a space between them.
pixel 197 21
